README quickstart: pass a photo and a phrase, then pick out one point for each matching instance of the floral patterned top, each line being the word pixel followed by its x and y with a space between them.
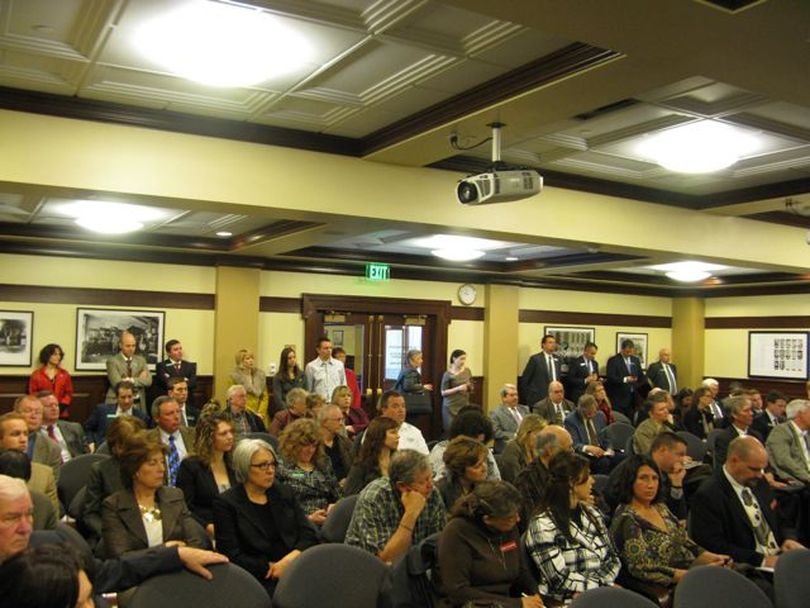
pixel 649 553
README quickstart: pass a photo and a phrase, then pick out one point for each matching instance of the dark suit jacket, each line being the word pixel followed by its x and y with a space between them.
pixel 577 373
pixel 720 524
pixel 658 377
pixel 576 428
pixel 693 421
pixel 545 408
pixel 196 480
pixel 621 394
pixel 192 415
pixel 166 370
pixel 535 379
pixel 96 425
pixel 762 424
pixel 243 537
pixel 103 481
pixel 123 529
pixel 74 437
pixel 723 440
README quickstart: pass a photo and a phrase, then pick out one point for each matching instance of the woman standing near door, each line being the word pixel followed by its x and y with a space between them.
pixel 456 387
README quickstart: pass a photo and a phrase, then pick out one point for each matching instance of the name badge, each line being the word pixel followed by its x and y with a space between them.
pixel 509 546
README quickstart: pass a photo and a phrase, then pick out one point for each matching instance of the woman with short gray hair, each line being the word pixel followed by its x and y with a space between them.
pixel 259 524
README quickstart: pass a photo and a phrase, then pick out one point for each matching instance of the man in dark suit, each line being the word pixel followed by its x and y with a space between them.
pixel 585 425
pixel 68 436
pixel 555 407
pixel 39 448
pixel 581 371
pixel 732 512
pixel 178 439
pixel 96 425
pixel 178 390
pixel 741 413
pixel 174 366
pixel 773 414
pixel 541 369
pixel 663 373
pixel 624 377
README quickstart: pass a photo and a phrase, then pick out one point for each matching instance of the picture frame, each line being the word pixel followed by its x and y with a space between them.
pixel 98 331
pixel 639 340
pixel 16 337
pixel 778 354
pixel 337 337
pixel 571 341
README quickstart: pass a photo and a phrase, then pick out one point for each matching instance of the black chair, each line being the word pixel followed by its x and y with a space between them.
pixel 695 446
pixel 713 587
pixel 336 525
pixel 74 474
pixel 611 597
pixel 791 581
pixel 231 586
pixel 619 418
pixel 266 437
pixel 334 575
pixel 600 482
pixel 413 576
pixel 629 449
pixel 711 440
pixel 617 434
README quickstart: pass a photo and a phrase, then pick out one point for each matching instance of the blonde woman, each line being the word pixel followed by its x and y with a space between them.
pixel 255 382
pixel 519 452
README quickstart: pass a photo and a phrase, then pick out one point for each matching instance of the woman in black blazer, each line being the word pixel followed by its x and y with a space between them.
pixel 259 524
pixel 209 472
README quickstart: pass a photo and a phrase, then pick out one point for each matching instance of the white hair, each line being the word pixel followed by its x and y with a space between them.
pixel 796 407
pixel 12 488
pixel 232 389
pixel 707 382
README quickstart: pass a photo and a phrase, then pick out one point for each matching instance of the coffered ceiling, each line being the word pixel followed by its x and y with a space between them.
pixel 579 84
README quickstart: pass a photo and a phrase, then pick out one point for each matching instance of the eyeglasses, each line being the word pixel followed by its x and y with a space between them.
pixel 264 466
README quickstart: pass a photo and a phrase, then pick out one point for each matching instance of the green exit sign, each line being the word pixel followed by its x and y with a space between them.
pixel 378 272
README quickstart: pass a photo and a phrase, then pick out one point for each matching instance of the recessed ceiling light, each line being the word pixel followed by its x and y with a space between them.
pixel 699 147
pixel 457 248
pixel 224 233
pixel 110 218
pixel 688 272
pixel 222 44
pixel 458 255
pixel 511 258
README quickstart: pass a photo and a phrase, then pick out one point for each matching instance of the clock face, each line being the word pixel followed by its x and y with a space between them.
pixel 466 294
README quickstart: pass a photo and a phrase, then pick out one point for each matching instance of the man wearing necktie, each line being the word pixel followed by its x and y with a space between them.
pixel 174 366
pixel 582 371
pixel 624 377
pixel 506 418
pixel 720 418
pixel 168 430
pixel 663 373
pixel 541 369
pixel 126 365
pixel 585 424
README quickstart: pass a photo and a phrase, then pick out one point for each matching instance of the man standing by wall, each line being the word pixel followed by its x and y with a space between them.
pixel 126 365
pixel 324 373
pixel 541 369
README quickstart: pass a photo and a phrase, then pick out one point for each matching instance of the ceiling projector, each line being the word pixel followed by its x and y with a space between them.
pixel 501 183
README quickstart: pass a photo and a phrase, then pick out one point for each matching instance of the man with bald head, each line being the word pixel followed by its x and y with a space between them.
pixel 733 512
pixel 555 407
pixel 663 373
pixel 126 365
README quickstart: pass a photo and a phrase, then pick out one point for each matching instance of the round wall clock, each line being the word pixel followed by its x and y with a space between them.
pixel 467 294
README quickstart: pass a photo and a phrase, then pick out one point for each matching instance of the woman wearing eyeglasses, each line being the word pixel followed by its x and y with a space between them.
pixel 259 523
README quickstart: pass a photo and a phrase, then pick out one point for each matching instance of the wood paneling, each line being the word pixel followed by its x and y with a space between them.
pixel 88 391
pixel 106 297
pixel 788 322
pixel 276 304
pixel 587 318
pixel 467 313
pixel 793 389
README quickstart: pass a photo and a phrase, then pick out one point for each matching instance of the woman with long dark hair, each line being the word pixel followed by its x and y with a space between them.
pixel 380 443
pixel 567 538
pixel 455 387
pixel 51 376
pixel 288 376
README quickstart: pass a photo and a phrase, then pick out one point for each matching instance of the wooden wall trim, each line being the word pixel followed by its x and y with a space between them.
pixel 467 313
pixel 793 389
pixel 587 318
pixel 787 322
pixel 278 304
pixel 106 297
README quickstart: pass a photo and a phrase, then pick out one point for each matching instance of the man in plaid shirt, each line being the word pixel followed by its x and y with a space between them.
pixel 396 512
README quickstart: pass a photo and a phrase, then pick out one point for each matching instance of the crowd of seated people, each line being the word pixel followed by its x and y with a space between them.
pixel 188 486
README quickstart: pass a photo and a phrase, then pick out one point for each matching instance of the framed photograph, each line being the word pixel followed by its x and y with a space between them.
pixel 337 337
pixel 778 354
pixel 98 331
pixel 16 332
pixel 640 342
pixel 571 341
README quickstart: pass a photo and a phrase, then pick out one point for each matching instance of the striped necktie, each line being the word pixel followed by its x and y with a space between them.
pixel 173 461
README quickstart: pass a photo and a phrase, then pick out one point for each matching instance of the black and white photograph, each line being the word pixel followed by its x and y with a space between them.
pixel 98 332
pixel 639 341
pixel 571 341
pixel 778 354
pixel 16 329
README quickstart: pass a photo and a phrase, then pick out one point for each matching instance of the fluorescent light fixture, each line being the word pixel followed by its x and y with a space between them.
pixel 688 272
pixel 457 248
pixel 512 258
pixel 224 233
pixel 111 218
pixel 699 147
pixel 458 255
pixel 222 45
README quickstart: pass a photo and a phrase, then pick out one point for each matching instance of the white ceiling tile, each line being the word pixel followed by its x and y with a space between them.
pixel 39 72
pixel 523 48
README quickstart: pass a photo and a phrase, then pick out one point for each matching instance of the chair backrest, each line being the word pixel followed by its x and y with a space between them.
pixel 334 575
pixel 792 585
pixel 713 587
pixel 611 597
pixel 711 440
pixel 629 449
pixel 531 575
pixel 621 418
pixel 413 574
pixel 231 586
pixel 600 482
pixel 267 437
pixel 694 445
pixel 74 474
pixel 617 434
pixel 337 522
